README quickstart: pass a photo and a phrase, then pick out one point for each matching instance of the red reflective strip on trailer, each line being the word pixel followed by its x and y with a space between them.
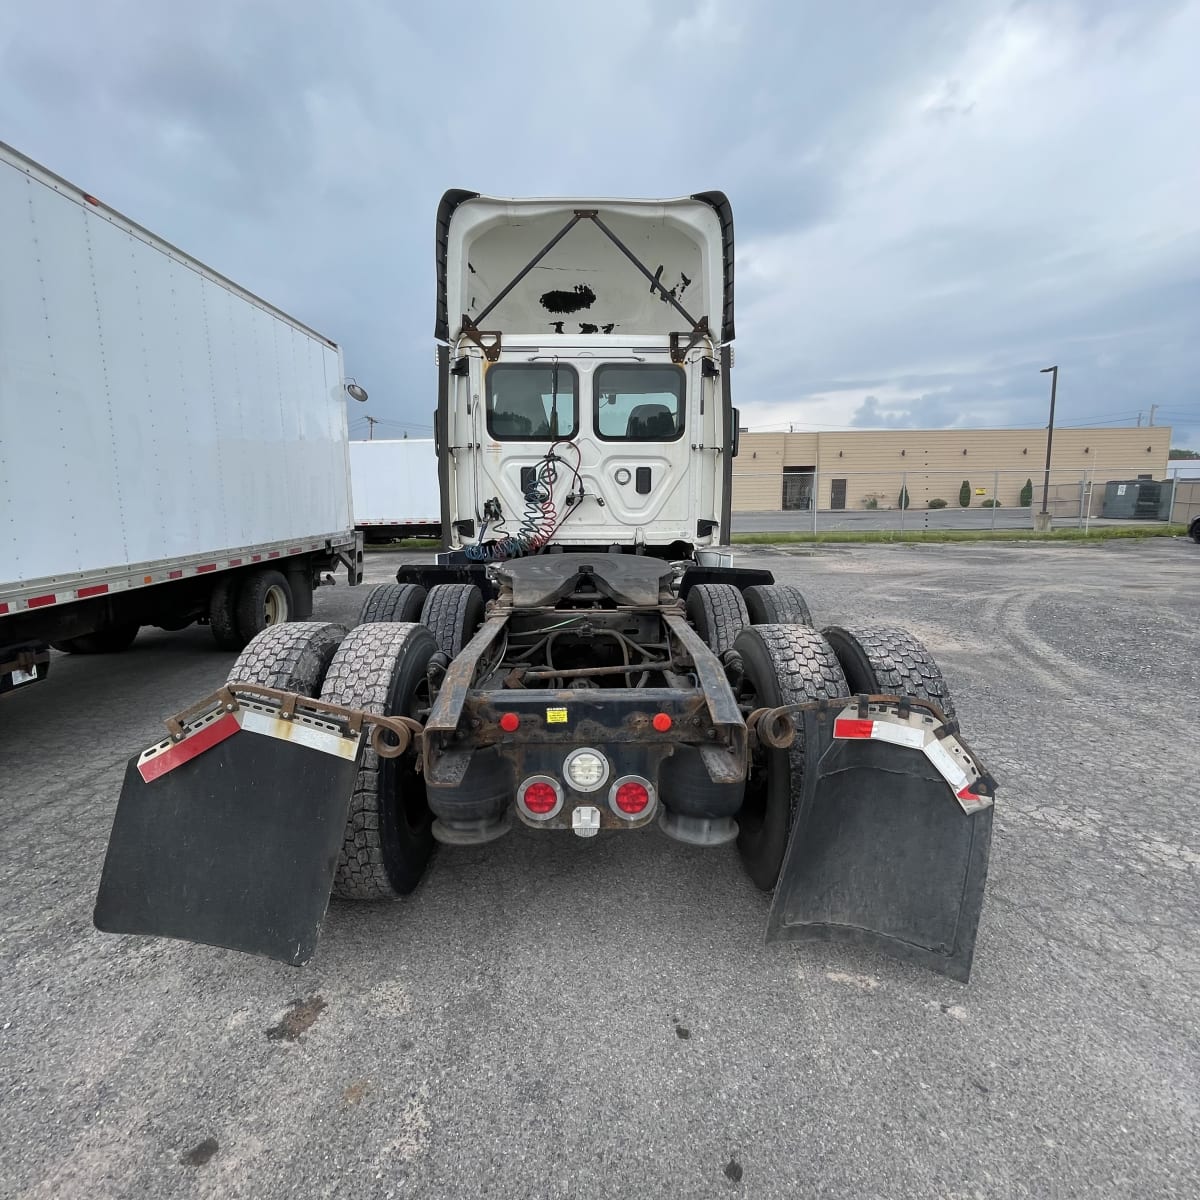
pixel 41 601
pixel 256 558
pixel 295 549
pixel 175 575
pixel 844 727
pixel 3 608
pixel 206 567
pixel 272 553
pixel 235 562
pixel 185 751
pixel 97 589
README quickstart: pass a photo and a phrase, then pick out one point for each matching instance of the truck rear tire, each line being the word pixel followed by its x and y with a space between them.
pixel 393 602
pixel 381 668
pixel 718 614
pixel 222 612
pixel 294 657
pixel 890 662
pixel 264 599
pixel 452 613
pixel 776 604
pixel 111 639
pixel 782 664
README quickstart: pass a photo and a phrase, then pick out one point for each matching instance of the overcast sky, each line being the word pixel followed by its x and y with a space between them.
pixel 932 200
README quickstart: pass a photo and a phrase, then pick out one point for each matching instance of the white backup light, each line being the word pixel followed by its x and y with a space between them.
pixel 586 769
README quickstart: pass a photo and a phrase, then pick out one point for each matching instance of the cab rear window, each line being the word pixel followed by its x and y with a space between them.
pixel 535 402
pixel 639 402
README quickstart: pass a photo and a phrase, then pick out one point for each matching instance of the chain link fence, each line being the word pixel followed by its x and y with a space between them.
pixel 810 500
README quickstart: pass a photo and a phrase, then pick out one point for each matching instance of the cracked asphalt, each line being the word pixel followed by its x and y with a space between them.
pixel 552 1017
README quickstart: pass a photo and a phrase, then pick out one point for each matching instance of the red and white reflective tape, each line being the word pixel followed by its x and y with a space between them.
pixel 164 757
pixel 916 732
pixel 138 579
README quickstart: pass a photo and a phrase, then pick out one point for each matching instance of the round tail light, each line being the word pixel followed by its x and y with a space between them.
pixel 540 797
pixel 631 797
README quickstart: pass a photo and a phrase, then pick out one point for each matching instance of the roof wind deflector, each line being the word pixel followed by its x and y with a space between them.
pixel 450 201
pixel 719 203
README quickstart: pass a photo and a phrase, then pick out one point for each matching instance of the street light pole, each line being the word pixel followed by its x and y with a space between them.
pixel 1053 371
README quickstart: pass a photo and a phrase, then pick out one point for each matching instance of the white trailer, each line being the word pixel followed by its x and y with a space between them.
pixel 396 492
pixel 172 448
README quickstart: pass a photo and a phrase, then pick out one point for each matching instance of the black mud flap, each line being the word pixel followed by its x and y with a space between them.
pixel 231 837
pixel 884 852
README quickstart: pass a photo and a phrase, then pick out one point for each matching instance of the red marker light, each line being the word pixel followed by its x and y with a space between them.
pixel 509 722
pixel 540 798
pixel 631 797
pixel 662 722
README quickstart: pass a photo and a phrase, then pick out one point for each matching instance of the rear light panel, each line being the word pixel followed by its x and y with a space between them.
pixel 632 798
pixel 540 797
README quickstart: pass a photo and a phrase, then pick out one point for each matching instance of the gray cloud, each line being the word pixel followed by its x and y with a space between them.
pixel 933 200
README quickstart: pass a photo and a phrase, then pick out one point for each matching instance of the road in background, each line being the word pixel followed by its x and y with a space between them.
pixel 554 1017
pixel 912 520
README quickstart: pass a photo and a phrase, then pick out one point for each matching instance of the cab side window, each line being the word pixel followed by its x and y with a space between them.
pixel 636 402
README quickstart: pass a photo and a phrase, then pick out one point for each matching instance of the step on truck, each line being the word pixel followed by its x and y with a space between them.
pixel 583 658
pixel 172 448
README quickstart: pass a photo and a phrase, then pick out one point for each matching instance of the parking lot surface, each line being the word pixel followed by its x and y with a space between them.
pixel 547 1016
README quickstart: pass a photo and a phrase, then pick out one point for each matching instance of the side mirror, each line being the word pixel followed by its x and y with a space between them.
pixel 735 437
pixel 356 392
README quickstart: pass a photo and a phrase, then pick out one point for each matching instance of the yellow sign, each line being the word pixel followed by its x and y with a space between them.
pixel 556 716
pixel 981 491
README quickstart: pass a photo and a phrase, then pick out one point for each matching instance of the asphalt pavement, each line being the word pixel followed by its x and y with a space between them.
pixel 552 1017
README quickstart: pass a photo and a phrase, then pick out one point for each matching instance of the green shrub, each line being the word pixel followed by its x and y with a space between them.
pixel 937 504
pixel 871 502
pixel 1027 494
pixel 903 497
pixel 964 494
pixel 989 504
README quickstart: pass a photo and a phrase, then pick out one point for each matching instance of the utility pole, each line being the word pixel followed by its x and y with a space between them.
pixel 1153 409
pixel 1139 418
pixel 1053 372
pixel 371 421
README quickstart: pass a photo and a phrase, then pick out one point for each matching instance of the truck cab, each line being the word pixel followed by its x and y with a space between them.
pixel 584 362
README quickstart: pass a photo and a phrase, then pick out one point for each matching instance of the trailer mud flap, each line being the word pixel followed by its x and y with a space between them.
pixel 231 836
pixel 890 844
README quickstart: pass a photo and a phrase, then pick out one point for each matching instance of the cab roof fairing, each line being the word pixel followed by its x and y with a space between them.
pixel 584 284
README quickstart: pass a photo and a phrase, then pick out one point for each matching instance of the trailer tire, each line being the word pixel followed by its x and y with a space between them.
pixel 878 660
pixel 381 668
pixel 393 602
pixel 776 604
pixel 222 612
pixel 264 599
pixel 110 639
pixel 294 657
pixel 718 614
pixel 452 613
pixel 782 664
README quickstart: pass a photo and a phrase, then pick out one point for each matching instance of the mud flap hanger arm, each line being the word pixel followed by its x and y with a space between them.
pixel 491 347
pixel 403 731
pixel 854 718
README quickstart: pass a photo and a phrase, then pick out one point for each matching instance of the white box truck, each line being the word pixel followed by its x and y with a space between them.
pixel 396 492
pixel 172 448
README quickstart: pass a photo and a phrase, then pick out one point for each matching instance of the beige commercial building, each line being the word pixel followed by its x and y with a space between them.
pixel 872 468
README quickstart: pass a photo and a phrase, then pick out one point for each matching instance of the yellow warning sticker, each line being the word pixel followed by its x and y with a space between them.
pixel 556 716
